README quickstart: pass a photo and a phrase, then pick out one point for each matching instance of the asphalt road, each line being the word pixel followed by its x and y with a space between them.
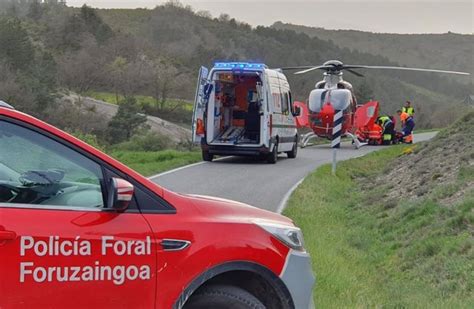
pixel 255 182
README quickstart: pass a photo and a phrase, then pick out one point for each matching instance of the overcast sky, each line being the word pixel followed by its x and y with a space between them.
pixel 395 16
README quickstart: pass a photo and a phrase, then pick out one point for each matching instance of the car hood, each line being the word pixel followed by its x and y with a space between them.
pixel 228 210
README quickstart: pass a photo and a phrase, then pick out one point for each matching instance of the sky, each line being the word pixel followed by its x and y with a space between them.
pixel 393 16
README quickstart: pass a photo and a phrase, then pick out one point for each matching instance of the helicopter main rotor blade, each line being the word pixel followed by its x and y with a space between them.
pixel 355 73
pixel 314 68
pixel 402 68
pixel 298 68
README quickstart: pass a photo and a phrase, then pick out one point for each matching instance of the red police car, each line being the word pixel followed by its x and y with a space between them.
pixel 81 230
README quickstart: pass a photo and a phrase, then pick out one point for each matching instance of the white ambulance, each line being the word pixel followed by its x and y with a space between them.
pixel 244 109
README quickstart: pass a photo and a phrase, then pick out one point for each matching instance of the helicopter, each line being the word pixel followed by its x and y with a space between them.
pixel 333 94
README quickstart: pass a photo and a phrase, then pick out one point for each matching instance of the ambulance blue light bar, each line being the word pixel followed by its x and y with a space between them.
pixel 240 65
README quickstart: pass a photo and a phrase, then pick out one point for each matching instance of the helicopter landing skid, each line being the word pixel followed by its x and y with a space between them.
pixel 306 138
pixel 355 141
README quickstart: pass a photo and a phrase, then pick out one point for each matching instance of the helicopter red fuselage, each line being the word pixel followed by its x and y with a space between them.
pixel 322 123
pixel 324 102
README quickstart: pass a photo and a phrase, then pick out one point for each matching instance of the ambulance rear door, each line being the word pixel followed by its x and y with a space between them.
pixel 203 89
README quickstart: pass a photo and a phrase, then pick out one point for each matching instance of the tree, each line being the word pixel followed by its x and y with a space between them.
pixel 95 25
pixel 163 82
pixel 117 70
pixel 83 70
pixel 15 46
pixel 35 10
pixel 127 122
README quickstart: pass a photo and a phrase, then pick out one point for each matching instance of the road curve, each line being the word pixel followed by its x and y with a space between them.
pixel 255 182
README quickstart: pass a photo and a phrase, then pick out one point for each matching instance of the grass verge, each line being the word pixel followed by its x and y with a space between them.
pixel 151 163
pixel 141 100
pixel 369 253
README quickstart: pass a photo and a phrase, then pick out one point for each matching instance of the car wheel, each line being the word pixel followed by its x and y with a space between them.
pixel 294 151
pixel 206 156
pixel 273 156
pixel 223 297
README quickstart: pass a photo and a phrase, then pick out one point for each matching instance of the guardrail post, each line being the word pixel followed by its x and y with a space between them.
pixel 336 137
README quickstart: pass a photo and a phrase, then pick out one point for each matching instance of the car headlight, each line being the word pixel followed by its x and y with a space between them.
pixel 289 235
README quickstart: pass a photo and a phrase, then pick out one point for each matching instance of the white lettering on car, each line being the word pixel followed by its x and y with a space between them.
pixel 57 247
pixel 26 243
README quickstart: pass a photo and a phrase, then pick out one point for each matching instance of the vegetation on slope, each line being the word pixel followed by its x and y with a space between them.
pixel 449 51
pixel 145 57
pixel 394 228
pixel 157 53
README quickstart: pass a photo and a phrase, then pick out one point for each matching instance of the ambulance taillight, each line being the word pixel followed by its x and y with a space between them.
pixel 200 127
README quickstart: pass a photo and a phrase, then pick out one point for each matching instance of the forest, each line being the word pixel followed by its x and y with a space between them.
pixel 146 60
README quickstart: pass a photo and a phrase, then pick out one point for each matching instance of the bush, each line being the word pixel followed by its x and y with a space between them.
pixel 88 138
pixel 128 121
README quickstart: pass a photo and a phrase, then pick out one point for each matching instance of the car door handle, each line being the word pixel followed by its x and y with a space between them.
pixel 7 235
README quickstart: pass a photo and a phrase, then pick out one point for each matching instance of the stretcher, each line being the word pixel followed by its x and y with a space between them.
pixel 231 134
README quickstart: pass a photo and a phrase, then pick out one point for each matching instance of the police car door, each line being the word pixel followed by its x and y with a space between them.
pixel 59 245
pixel 202 92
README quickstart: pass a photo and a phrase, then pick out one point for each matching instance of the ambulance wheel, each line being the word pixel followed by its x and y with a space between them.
pixel 206 156
pixel 223 297
pixel 294 151
pixel 273 156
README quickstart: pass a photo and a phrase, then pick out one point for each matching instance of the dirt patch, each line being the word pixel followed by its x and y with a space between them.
pixel 443 167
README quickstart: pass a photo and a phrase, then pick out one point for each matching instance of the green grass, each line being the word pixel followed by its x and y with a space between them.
pixel 141 99
pixel 146 163
pixel 372 253
pixel 427 130
pixel 150 163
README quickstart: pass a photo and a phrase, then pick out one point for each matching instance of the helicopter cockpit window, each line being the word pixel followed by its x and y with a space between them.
pixel 340 99
pixel 370 111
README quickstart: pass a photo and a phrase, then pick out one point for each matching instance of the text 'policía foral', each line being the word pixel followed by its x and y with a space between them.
pixel 54 246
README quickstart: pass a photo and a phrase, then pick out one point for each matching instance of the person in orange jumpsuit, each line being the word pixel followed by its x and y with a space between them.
pixel 408 124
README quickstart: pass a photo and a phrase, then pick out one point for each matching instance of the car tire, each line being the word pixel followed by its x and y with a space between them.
pixel 273 156
pixel 223 297
pixel 206 156
pixel 294 151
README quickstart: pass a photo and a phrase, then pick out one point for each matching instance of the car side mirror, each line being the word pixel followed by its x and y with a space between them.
pixel 120 194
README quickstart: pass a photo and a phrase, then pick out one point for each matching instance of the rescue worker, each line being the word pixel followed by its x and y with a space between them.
pixel 410 110
pixel 388 129
pixel 408 124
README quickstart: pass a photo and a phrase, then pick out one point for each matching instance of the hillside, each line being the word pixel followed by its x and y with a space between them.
pixel 157 53
pixel 449 51
pixel 442 169
pixel 175 133
pixel 205 40
pixel 394 228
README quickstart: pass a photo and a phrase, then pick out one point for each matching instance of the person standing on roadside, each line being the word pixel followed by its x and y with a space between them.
pixel 409 109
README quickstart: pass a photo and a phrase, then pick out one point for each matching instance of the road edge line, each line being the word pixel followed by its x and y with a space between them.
pixel 182 168
pixel 287 196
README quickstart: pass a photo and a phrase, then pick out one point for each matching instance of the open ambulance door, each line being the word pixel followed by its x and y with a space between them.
pixel 203 89
pixel 302 119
